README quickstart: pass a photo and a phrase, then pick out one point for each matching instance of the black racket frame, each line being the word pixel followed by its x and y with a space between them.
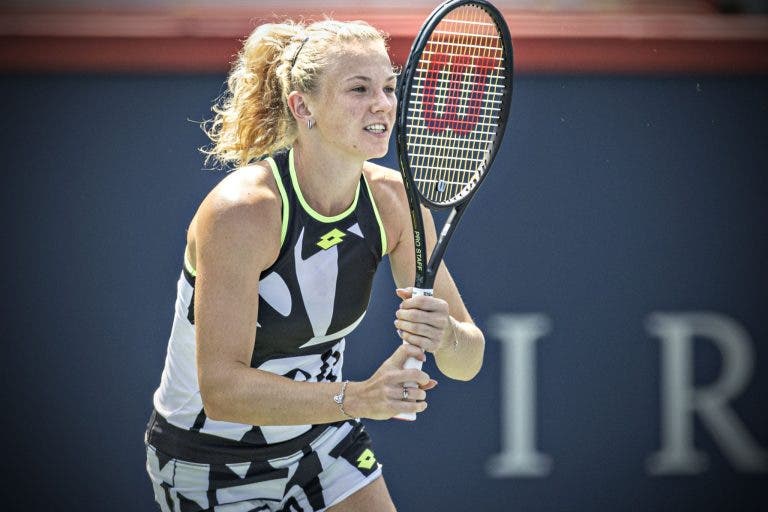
pixel 426 271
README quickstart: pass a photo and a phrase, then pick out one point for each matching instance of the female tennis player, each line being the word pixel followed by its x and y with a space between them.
pixel 252 412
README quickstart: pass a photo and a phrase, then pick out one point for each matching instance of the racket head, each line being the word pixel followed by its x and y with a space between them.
pixel 454 100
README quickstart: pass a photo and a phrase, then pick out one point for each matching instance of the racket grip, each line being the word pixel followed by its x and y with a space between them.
pixel 412 362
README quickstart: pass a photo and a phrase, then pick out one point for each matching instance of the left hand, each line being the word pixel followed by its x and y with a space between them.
pixel 423 321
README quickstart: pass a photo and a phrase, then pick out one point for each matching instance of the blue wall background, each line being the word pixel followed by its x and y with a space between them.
pixel 613 197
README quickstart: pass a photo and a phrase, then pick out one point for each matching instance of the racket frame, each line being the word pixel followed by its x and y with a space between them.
pixel 426 269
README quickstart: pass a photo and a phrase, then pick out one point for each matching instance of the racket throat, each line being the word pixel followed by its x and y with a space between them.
pixel 427 281
pixel 446 228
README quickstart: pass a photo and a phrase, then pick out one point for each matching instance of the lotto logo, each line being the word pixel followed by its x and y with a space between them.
pixel 330 239
pixel 366 460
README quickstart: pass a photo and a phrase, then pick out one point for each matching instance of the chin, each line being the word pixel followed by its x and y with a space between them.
pixel 380 154
pixel 374 153
pixel 375 150
pixel 381 151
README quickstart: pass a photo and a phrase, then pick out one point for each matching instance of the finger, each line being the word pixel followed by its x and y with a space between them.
pixel 405 351
pixel 404 293
pixel 409 407
pixel 412 395
pixel 424 343
pixel 436 319
pixel 425 302
pixel 418 328
pixel 412 375
pixel 429 385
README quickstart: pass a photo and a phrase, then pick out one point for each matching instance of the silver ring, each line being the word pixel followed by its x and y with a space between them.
pixel 405 393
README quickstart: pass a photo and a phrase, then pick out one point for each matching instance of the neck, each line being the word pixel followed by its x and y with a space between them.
pixel 328 182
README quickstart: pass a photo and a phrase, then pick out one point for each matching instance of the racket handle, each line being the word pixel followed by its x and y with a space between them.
pixel 412 362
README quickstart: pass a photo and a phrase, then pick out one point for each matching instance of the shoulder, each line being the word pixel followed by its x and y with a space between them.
pixel 389 194
pixel 243 210
pixel 386 184
pixel 246 188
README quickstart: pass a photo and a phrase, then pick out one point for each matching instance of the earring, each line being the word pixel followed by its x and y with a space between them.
pixel 310 123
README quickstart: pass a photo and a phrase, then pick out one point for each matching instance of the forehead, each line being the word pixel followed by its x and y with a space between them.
pixel 365 58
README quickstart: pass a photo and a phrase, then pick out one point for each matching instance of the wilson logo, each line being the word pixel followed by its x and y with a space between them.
pixel 446 90
pixel 330 239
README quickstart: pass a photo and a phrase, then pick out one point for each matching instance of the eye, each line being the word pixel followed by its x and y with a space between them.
pixel 389 89
pixel 359 88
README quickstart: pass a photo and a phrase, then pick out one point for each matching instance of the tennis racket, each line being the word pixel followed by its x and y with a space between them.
pixel 454 98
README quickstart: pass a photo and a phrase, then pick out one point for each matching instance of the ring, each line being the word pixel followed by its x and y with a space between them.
pixel 405 393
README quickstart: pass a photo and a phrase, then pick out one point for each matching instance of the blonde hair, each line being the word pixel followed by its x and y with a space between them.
pixel 252 118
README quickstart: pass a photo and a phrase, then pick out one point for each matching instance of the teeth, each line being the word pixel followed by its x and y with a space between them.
pixel 378 128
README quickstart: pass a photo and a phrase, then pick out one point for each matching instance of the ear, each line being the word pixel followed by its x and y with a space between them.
pixel 301 111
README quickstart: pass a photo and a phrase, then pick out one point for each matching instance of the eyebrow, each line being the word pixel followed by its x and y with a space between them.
pixel 393 76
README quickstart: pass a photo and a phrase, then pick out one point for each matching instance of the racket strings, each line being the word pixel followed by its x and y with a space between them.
pixel 454 104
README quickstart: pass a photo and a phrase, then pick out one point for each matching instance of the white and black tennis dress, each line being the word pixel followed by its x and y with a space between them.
pixel 315 293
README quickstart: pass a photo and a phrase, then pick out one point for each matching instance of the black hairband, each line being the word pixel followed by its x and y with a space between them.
pixel 293 62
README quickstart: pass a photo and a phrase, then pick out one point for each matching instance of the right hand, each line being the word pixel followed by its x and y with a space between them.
pixel 381 396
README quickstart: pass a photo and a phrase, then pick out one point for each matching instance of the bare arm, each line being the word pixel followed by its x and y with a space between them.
pixel 237 235
pixel 440 324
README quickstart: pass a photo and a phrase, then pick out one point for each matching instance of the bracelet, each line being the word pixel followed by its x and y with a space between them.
pixel 339 399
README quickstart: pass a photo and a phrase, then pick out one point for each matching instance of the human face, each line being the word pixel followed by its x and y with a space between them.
pixel 355 102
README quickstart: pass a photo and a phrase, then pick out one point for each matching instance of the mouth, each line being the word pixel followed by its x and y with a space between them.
pixel 376 128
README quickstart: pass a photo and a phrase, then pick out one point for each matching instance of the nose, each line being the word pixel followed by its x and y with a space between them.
pixel 383 102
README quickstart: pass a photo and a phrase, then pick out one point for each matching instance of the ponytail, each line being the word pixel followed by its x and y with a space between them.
pixel 252 118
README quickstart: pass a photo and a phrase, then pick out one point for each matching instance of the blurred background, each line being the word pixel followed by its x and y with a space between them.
pixel 616 257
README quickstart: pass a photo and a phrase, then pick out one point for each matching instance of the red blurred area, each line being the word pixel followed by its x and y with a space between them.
pixel 597 36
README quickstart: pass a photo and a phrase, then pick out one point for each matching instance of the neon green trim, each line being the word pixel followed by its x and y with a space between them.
pixel 283 197
pixel 305 205
pixel 187 263
pixel 378 219
pixel 283 228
